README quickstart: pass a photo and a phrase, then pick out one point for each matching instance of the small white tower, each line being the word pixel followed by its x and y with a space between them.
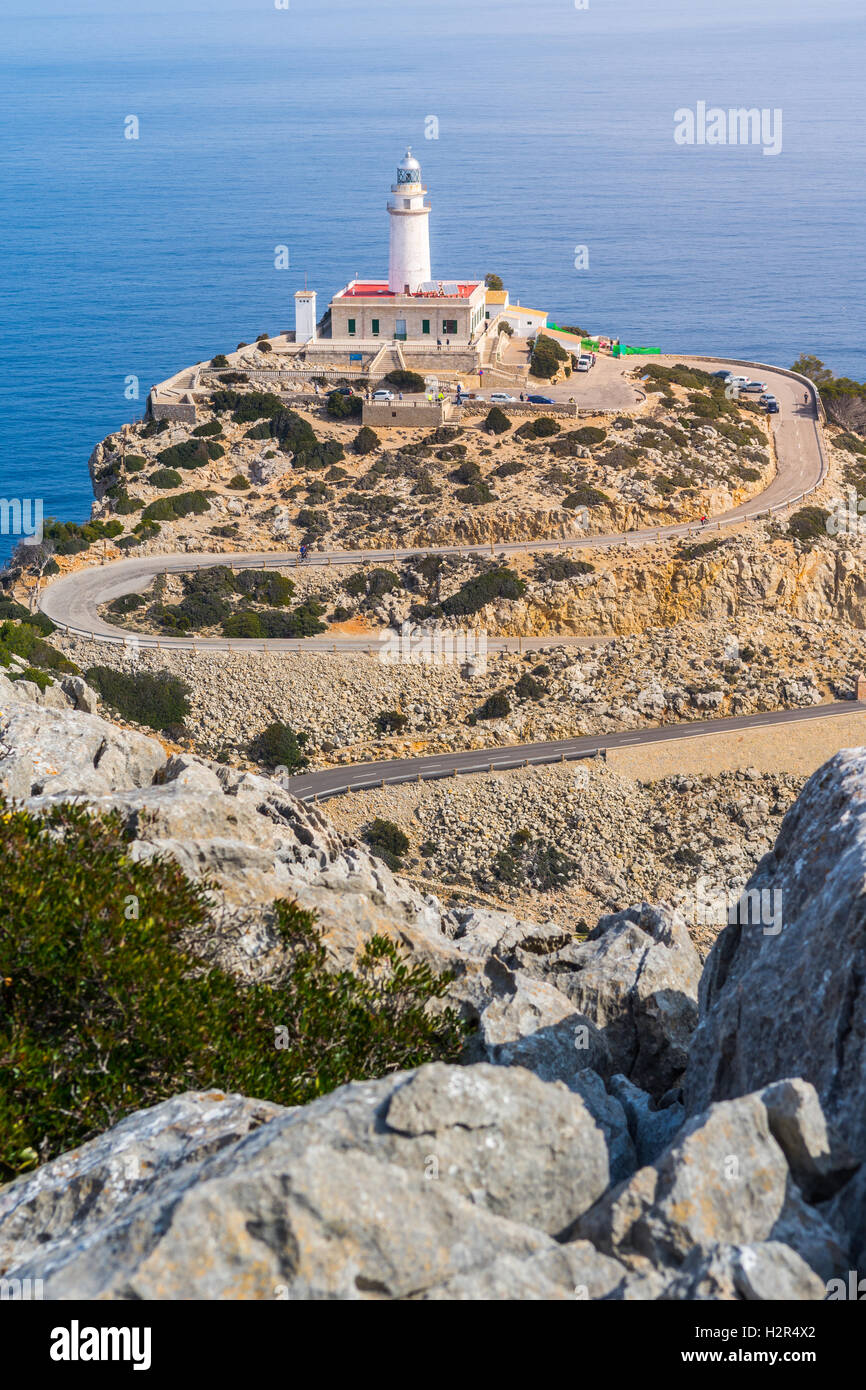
pixel 305 315
pixel 409 261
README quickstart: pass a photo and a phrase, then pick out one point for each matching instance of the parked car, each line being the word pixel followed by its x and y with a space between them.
pixel 754 386
pixel 583 364
pixel 541 400
pixel 737 380
pixel 344 391
pixel 502 398
pixel 773 408
pixel 383 395
pixel 723 375
pixel 767 399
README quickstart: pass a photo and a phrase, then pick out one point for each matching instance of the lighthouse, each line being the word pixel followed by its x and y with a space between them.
pixel 409 261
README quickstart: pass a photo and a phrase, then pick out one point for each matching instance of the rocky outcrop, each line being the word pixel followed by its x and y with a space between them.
pixel 636 977
pixel 724 1179
pixel 391 1189
pixel 591 1144
pixel 785 994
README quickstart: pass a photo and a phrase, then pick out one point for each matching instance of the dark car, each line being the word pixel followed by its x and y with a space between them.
pixel 773 408
pixel 541 400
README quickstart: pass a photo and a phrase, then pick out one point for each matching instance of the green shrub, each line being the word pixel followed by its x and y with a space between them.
pixel 314 523
pixel 585 496
pixel 243 623
pixel 372 584
pixel 341 407
pixel 247 406
pixel 153 427
pixel 546 357
pixel 68 538
pixel 279 746
pixel 850 442
pixel 196 611
pixel 303 621
pixel 509 468
pixel 220 360
pixel 387 841
pixel 103 1012
pixel 233 378
pixel 173 508
pixel 127 603
pixel 554 568
pixel 190 453
pixel 165 478
pixel 405 380
pixel 528 688
pixel 496 706
pixel 590 435
pixel 809 524
pixel 541 428
pixel 536 863
pixel 208 429
pixel 152 698
pixel 134 463
pixel 265 586
pixel 390 721
pixel 468 472
pixel 366 440
pixel 10 609
pixel 476 495
pixel 472 596
pixel 239 483
pixel 26 640
pixel 32 673
pixel 125 505
pixel 496 421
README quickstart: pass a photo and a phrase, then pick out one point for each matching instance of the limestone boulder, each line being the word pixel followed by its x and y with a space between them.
pixel 636 976
pixel 724 1180
pixel 784 990
pixel 388 1189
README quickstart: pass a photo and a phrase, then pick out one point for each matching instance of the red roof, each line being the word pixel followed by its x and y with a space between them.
pixel 378 289
pixel 366 289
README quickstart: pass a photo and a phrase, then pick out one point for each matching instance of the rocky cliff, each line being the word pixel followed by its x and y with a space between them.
pixel 622 1127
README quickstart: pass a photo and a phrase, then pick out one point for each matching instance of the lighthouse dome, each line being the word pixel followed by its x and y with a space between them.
pixel 408 170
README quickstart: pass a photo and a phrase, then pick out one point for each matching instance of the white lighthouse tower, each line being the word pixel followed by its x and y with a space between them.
pixel 409 262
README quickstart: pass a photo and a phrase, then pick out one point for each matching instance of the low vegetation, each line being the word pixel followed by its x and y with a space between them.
pixel 103 1011
pixel 152 698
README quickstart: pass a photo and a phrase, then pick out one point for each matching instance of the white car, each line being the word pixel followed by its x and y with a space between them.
pixel 583 364
pixel 502 398
pixel 752 386
pixel 383 395
pixel 767 399
pixel 737 381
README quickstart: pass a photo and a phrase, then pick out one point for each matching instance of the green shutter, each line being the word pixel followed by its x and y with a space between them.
pixel 375 328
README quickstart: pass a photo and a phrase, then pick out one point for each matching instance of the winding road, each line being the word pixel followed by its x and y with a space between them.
pixel 73 602
pixel 356 777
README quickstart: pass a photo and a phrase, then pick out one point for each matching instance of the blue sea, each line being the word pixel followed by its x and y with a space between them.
pixel 541 127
